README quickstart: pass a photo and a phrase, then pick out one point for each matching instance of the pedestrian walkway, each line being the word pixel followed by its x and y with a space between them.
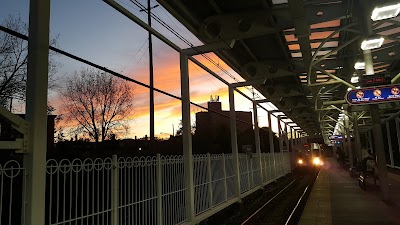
pixel 336 199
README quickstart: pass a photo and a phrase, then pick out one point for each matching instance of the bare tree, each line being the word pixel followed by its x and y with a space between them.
pixel 14 62
pixel 98 102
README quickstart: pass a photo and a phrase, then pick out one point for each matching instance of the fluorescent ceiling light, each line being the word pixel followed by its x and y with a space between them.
pixel 359 65
pixel 354 80
pixel 276 2
pixel 386 12
pixel 278 113
pixel 372 43
pixel 349 89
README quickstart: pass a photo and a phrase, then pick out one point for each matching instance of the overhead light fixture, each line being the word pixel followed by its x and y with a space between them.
pixel 349 89
pixel 359 65
pixel 385 12
pixel 354 79
pixel 372 43
pixel 358 87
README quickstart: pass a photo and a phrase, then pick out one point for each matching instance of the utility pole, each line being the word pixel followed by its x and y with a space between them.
pixel 151 83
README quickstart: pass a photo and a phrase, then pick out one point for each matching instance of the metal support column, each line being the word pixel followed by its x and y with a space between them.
pixel 286 140
pixel 397 121
pixel 293 140
pixel 232 119
pixel 380 152
pixel 370 142
pixel 280 134
pixel 187 137
pixel 369 68
pixel 36 110
pixel 348 140
pixel 234 145
pixel 271 141
pixel 356 134
pixel 286 135
pixel 280 145
pixel 257 140
pixel 344 140
pixel 294 137
pixel 389 141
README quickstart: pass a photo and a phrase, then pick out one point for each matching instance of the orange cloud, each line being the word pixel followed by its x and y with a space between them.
pixel 167 78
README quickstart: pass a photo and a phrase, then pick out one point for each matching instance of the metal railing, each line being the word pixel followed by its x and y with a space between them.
pixel 145 190
pixel 12 193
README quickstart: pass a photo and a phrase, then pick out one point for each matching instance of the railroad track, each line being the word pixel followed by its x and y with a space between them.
pixel 286 206
pixel 281 205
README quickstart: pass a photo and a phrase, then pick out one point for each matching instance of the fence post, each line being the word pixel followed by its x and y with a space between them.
pixel 210 193
pixel 115 190
pixel 224 172
pixel 159 190
pixel 248 171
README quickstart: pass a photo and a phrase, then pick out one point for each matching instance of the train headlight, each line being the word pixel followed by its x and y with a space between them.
pixel 300 161
pixel 317 161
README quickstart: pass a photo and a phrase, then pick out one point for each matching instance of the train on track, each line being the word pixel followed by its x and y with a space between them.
pixel 309 156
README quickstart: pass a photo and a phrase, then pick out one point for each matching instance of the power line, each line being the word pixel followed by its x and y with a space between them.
pixel 134 56
pixel 177 34
pixel 116 74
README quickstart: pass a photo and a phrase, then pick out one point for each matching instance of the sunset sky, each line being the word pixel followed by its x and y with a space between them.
pixel 96 32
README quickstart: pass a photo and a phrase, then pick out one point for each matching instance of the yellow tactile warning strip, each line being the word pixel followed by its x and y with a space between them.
pixel 318 207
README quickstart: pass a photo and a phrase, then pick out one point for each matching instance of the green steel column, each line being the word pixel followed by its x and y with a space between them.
pixel 257 139
pixel 397 121
pixel 356 133
pixel 187 137
pixel 348 140
pixel 380 152
pixel 271 141
pixel 234 144
pixel 389 140
pixel 36 110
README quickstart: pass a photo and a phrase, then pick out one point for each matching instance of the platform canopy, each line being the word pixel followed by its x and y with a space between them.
pixel 307 50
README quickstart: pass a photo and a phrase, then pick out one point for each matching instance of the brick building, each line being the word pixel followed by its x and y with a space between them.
pixel 213 129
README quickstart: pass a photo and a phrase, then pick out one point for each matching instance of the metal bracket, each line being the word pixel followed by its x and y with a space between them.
pixel 19 124
pixel 197 50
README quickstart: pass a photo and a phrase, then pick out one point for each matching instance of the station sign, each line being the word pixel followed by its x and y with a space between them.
pixel 373 95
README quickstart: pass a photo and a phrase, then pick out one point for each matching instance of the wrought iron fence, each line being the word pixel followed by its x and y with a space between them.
pixel 145 190
pixel 12 193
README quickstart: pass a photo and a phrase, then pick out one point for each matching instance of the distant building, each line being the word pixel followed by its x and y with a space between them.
pixel 213 128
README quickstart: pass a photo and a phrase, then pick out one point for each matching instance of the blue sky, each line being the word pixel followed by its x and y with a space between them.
pixel 93 30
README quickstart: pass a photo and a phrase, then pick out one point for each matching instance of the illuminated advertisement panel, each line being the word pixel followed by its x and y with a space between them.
pixel 373 95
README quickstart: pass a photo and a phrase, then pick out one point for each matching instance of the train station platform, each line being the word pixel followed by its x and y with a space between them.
pixel 336 199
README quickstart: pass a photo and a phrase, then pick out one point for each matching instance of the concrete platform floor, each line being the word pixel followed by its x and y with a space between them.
pixel 337 199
